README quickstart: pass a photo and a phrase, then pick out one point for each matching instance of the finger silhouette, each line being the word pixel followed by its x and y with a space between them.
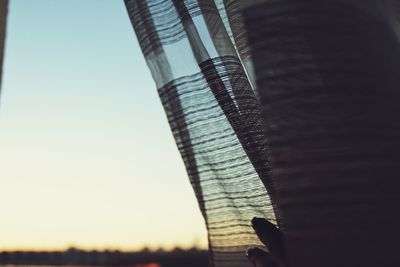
pixel 271 237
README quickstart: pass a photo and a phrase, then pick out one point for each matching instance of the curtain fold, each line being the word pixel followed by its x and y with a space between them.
pixel 3 18
pixel 322 134
pixel 328 78
pixel 234 16
pixel 213 113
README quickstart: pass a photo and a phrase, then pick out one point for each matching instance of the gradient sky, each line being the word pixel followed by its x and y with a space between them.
pixel 86 154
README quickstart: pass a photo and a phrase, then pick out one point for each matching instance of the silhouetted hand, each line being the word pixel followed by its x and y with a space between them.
pixel 273 239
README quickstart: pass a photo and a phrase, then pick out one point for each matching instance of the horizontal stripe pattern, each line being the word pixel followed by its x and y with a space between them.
pixel 214 116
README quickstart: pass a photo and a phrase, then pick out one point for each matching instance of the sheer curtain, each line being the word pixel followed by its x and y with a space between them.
pixel 328 77
pixel 327 74
pixel 3 17
pixel 213 113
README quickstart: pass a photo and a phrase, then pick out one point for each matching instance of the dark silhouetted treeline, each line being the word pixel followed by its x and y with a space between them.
pixel 175 258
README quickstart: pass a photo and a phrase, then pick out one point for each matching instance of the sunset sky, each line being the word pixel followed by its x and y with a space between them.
pixel 86 154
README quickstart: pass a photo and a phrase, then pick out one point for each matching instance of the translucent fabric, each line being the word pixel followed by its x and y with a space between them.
pixel 328 77
pixel 327 74
pixel 3 17
pixel 213 113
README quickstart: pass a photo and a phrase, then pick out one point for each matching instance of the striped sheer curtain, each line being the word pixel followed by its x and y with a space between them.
pixel 202 77
pixel 328 77
pixel 327 74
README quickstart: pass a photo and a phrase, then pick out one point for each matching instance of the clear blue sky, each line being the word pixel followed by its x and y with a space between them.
pixel 87 157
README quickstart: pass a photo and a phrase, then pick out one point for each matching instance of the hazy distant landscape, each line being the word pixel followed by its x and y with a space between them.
pixel 76 257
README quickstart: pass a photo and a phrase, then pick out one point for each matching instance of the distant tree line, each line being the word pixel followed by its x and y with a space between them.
pixel 175 258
